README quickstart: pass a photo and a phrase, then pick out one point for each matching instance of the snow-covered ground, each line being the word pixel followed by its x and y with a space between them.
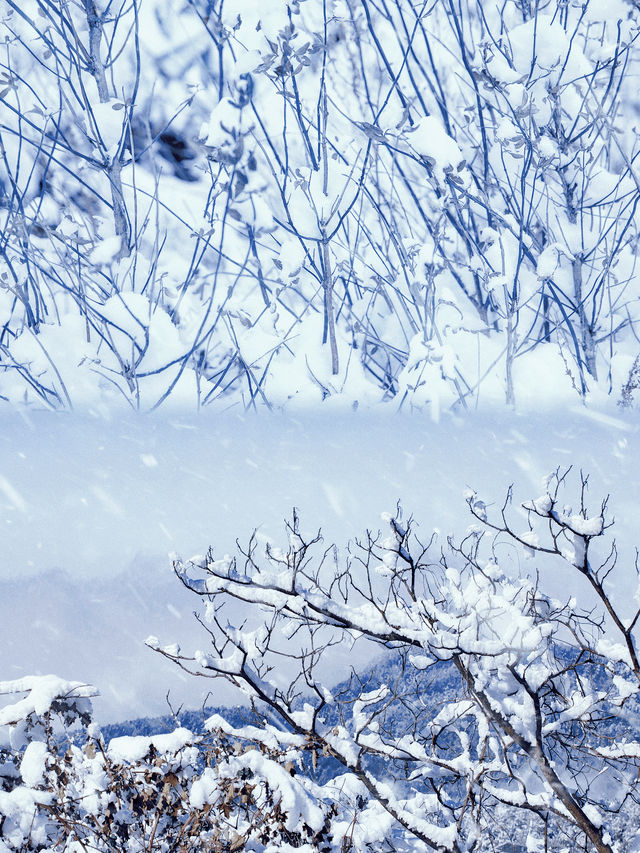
pixel 91 508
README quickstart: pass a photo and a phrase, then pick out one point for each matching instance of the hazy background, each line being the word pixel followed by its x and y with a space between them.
pixel 90 510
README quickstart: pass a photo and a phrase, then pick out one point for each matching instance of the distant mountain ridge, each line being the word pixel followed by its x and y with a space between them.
pixel 440 682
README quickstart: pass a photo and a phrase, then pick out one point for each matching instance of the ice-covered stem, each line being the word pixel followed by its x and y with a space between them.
pixel 328 303
pixel 326 260
pixel 114 168
pixel 588 339
pixel 94 21
pixel 510 355
pixel 14 286
pixel 573 209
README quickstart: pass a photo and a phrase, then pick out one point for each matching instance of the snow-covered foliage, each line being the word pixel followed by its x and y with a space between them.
pixel 276 204
pixel 68 790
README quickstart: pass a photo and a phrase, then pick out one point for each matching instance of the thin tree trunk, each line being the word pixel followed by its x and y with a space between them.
pixel 115 167
pixel 586 332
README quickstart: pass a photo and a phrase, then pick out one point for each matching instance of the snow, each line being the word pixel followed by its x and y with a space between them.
pixel 224 119
pixel 531 538
pixel 429 139
pixel 614 651
pixel 625 688
pixel 231 664
pixel 470 278
pixel 586 526
pixel 548 261
pixel 378 319
pixel 41 691
pixel 420 661
pixel 20 803
pixel 204 790
pixel 129 749
pixel 423 303
pixel 593 814
pixel 13 496
pixel 33 765
pixel 108 122
pixel 541 505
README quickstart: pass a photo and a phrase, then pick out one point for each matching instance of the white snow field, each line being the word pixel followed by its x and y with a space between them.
pixel 91 508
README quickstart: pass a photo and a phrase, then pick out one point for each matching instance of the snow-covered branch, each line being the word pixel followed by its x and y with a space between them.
pixel 535 689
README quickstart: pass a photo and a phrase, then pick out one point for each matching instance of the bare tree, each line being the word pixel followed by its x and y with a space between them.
pixel 537 727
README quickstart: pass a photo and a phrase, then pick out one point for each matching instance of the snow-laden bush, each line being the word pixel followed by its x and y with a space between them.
pixel 63 788
pixel 268 204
